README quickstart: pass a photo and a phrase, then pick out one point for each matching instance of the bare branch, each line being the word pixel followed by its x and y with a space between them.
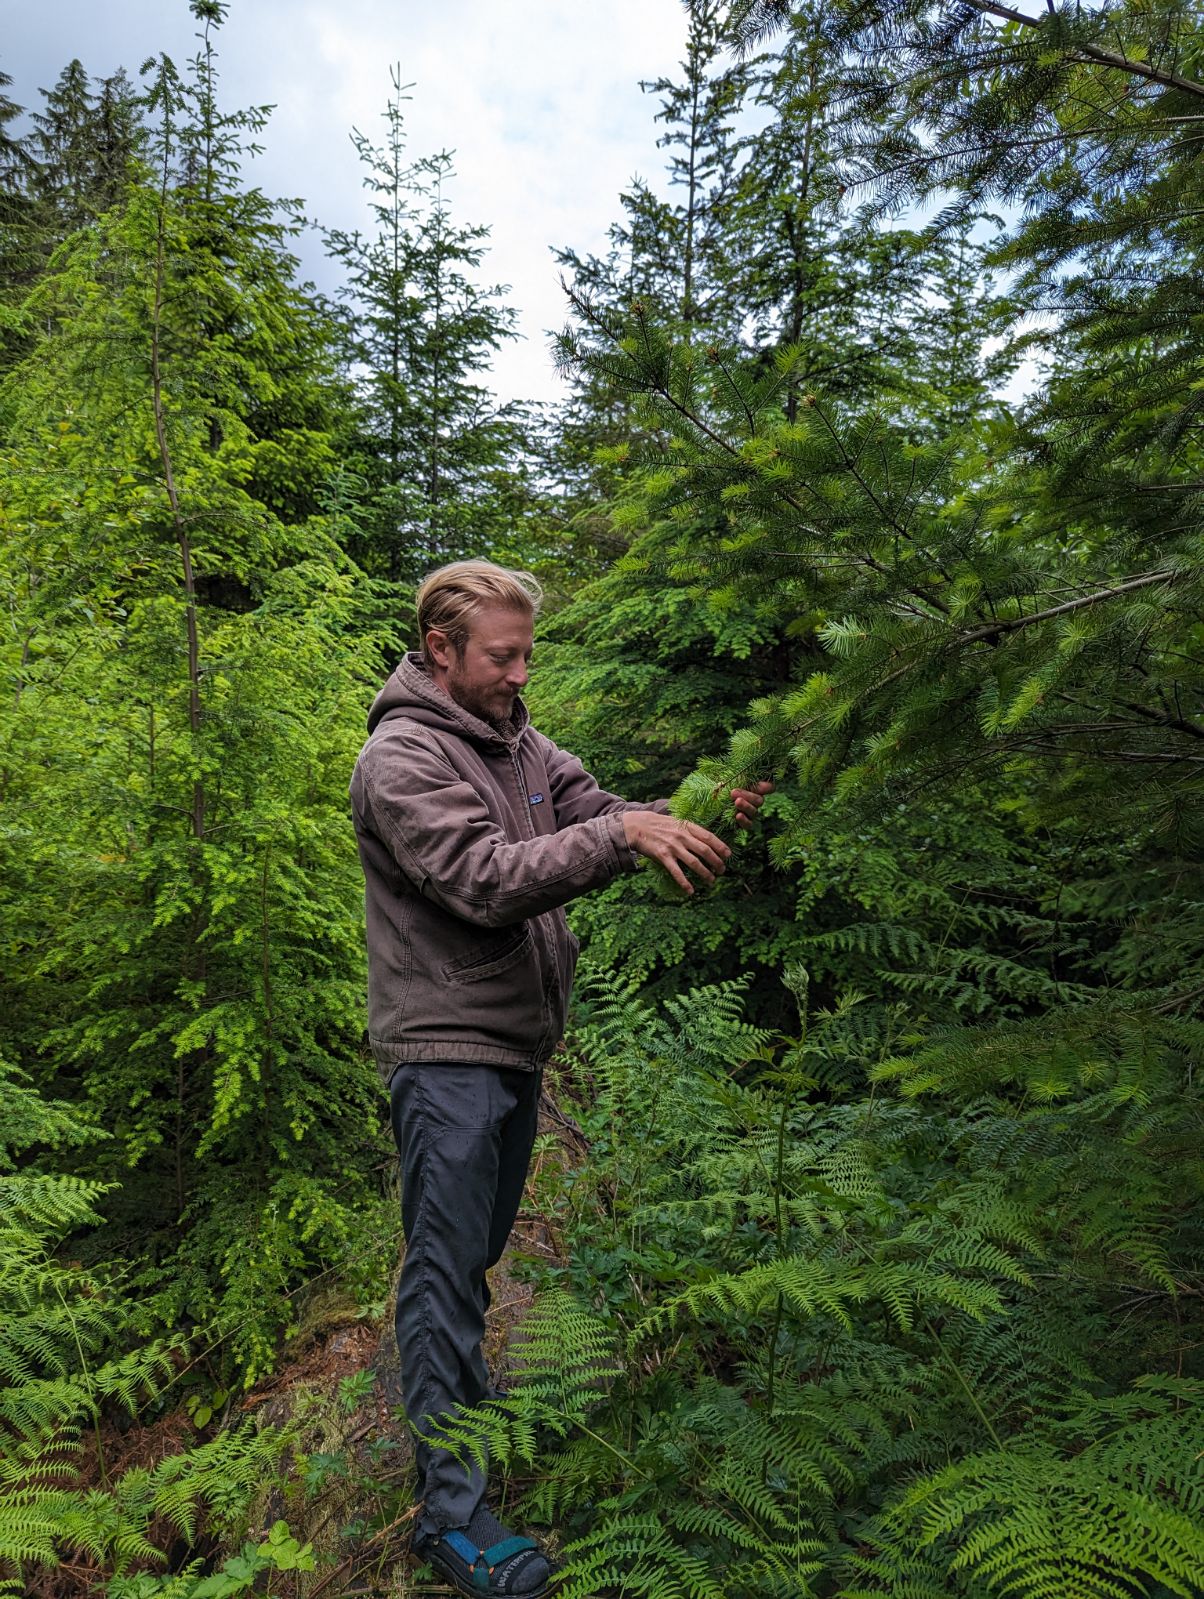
pixel 1014 623
pixel 1093 53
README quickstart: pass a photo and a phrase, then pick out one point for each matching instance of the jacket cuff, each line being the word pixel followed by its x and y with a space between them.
pixel 625 857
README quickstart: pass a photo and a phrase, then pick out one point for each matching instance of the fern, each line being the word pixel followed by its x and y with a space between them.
pixel 1111 1497
pixel 809 1315
pixel 70 1346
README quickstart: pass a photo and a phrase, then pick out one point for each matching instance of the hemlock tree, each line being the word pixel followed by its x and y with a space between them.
pixel 20 256
pixel 82 143
pixel 989 589
pixel 673 254
pixel 867 312
pixel 679 250
pixel 68 169
pixel 658 659
pixel 434 448
pixel 187 665
pixel 1009 621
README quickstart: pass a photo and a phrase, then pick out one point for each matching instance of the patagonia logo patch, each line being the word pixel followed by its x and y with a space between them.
pixel 536 799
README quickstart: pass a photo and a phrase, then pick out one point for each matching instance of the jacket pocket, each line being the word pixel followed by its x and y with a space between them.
pixel 506 949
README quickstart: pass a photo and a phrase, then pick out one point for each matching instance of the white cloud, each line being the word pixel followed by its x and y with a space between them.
pixel 539 99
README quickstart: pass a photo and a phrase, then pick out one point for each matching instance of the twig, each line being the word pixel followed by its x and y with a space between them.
pixel 1010 625
pixel 1093 52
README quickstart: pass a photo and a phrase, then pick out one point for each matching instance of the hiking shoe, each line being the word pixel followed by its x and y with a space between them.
pixel 484 1558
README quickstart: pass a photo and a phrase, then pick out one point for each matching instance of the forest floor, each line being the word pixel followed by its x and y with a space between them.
pixel 348 1489
pixel 362 1516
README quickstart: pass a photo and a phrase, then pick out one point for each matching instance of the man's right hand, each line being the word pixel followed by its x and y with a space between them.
pixel 676 845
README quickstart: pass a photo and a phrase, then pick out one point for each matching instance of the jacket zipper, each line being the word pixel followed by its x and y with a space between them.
pixel 523 803
pixel 545 1038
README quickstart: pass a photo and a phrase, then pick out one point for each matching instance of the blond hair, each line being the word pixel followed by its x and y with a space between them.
pixel 449 598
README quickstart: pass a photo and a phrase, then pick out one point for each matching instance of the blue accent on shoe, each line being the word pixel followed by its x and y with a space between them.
pixel 471 1570
pixel 464 1547
pixel 496 1553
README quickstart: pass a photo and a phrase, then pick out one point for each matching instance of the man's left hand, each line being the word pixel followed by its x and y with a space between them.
pixel 746 802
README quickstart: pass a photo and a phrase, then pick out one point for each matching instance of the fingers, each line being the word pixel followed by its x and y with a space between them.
pixel 752 796
pixel 692 847
pixel 672 860
pixel 706 847
pixel 704 854
pixel 676 873
pixel 678 847
pixel 748 801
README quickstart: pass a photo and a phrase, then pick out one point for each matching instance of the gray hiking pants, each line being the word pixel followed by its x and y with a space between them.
pixel 464 1134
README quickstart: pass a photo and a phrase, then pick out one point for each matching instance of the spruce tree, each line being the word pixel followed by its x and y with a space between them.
pixel 433 446
pixel 655 662
pixel 83 142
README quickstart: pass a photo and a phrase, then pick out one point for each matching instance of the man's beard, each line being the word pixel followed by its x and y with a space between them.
pixel 481 709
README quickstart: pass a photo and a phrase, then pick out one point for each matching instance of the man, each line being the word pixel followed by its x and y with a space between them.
pixel 474 832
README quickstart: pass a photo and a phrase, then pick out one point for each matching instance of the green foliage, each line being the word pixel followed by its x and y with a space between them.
pixel 902 1298
pixel 821 1340
pixel 82 143
pixel 1106 1503
pixel 702 607
pixel 279 1551
pixel 440 462
pixel 72 1349
pixel 187 655
pixel 910 1304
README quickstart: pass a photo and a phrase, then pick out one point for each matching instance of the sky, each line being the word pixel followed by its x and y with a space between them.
pixel 539 99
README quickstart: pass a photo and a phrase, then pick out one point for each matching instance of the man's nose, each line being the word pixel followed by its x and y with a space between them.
pixel 518 675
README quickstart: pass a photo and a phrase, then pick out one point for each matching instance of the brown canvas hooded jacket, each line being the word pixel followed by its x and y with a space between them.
pixel 472 840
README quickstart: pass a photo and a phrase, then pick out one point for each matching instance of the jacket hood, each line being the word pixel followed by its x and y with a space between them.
pixel 412 693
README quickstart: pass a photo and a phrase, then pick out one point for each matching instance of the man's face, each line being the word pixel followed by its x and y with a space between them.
pixel 492 669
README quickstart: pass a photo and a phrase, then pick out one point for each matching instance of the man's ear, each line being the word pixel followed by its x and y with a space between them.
pixel 438 648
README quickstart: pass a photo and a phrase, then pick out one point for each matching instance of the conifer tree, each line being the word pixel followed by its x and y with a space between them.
pixel 13 154
pixel 666 650
pixel 186 667
pixel 83 142
pixel 117 137
pixel 1006 643
pixel 864 309
pixel 679 253
pixel 674 254
pixel 1089 469
pixel 19 254
pixel 71 167
pixel 432 444
pixel 62 141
